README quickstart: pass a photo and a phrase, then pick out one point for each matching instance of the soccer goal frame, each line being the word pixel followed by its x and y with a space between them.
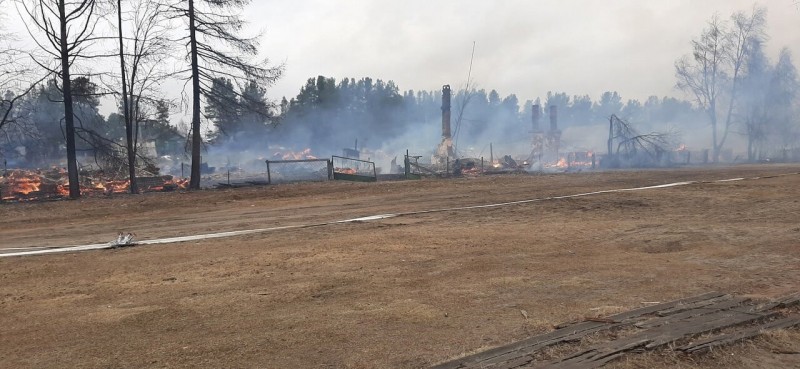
pixel 272 163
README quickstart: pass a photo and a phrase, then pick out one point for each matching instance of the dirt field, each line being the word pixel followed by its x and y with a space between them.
pixel 405 292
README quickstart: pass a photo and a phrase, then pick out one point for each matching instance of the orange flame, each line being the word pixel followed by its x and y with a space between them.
pixel 345 170
pixel 23 185
pixel 20 183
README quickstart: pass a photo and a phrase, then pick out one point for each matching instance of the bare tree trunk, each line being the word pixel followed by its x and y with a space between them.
pixel 728 117
pixel 194 181
pixel 610 160
pixel 214 40
pixel 715 148
pixel 134 188
pixel 69 117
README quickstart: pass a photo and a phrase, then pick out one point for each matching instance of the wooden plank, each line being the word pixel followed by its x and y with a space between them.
pixel 663 306
pixel 734 337
pixel 564 333
pixel 529 346
pixel 601 354
pixel 524 347
pixel 597 356
pixel 779 303
pixel 673 321
pixel 511 364
pixel 701 325
pixel 647 310
pixel 791 300
pixel 653 338
pixel 689 314
pixel 698 304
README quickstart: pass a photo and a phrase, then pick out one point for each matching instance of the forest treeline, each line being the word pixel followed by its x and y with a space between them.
pixel 122 53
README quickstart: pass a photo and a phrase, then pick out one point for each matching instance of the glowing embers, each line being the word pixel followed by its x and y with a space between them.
pixel 28 185
pixel 22 183
pixel 345 170
pixel 561 163
pixel 170 185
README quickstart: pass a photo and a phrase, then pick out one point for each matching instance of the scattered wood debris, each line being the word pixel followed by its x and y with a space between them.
pixel 673 324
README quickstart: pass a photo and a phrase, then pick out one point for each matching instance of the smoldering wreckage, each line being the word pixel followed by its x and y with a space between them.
pixel 626 148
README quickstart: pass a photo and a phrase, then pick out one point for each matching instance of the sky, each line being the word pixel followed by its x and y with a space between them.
pixel 523 47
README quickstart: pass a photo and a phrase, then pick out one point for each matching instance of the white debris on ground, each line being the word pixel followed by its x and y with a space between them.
pixel 123 239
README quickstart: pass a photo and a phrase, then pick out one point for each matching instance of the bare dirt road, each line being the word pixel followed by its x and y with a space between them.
pixel 404 292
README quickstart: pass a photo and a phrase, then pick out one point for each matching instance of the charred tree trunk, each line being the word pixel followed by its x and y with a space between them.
pixel 194 181
pixel 217 50
pixel 134 188
pixel 69 117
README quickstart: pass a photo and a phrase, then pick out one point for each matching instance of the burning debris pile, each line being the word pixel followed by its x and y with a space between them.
pixel 345 170
pixel 27 185
pixel 34 184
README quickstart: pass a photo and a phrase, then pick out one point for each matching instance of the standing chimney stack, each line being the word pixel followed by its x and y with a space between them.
pixel 553 118
pixel 537 112
pixel 446 112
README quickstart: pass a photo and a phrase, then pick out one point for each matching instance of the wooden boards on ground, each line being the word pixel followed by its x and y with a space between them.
pixel 653 327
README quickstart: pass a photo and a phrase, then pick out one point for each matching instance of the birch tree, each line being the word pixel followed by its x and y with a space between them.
pixel 714 71
pixel 142 35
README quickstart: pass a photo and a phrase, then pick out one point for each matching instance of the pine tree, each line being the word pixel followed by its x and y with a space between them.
pixel 216 49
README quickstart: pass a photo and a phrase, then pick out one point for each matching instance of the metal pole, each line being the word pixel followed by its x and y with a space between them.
pixel 481 164
pixel 491 154
pixel 269 177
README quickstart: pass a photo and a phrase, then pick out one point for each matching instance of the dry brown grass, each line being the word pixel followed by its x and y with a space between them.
pixel 401 293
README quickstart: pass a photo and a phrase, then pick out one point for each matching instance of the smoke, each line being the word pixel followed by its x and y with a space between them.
pixel 372 116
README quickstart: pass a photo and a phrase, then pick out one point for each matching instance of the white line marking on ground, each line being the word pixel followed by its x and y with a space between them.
pixel 43 250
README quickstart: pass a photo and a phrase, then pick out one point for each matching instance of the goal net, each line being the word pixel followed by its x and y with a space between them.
pixel 283 171
pixel 353 169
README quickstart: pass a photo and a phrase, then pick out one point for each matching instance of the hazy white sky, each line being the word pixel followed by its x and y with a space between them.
pixel 524 47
